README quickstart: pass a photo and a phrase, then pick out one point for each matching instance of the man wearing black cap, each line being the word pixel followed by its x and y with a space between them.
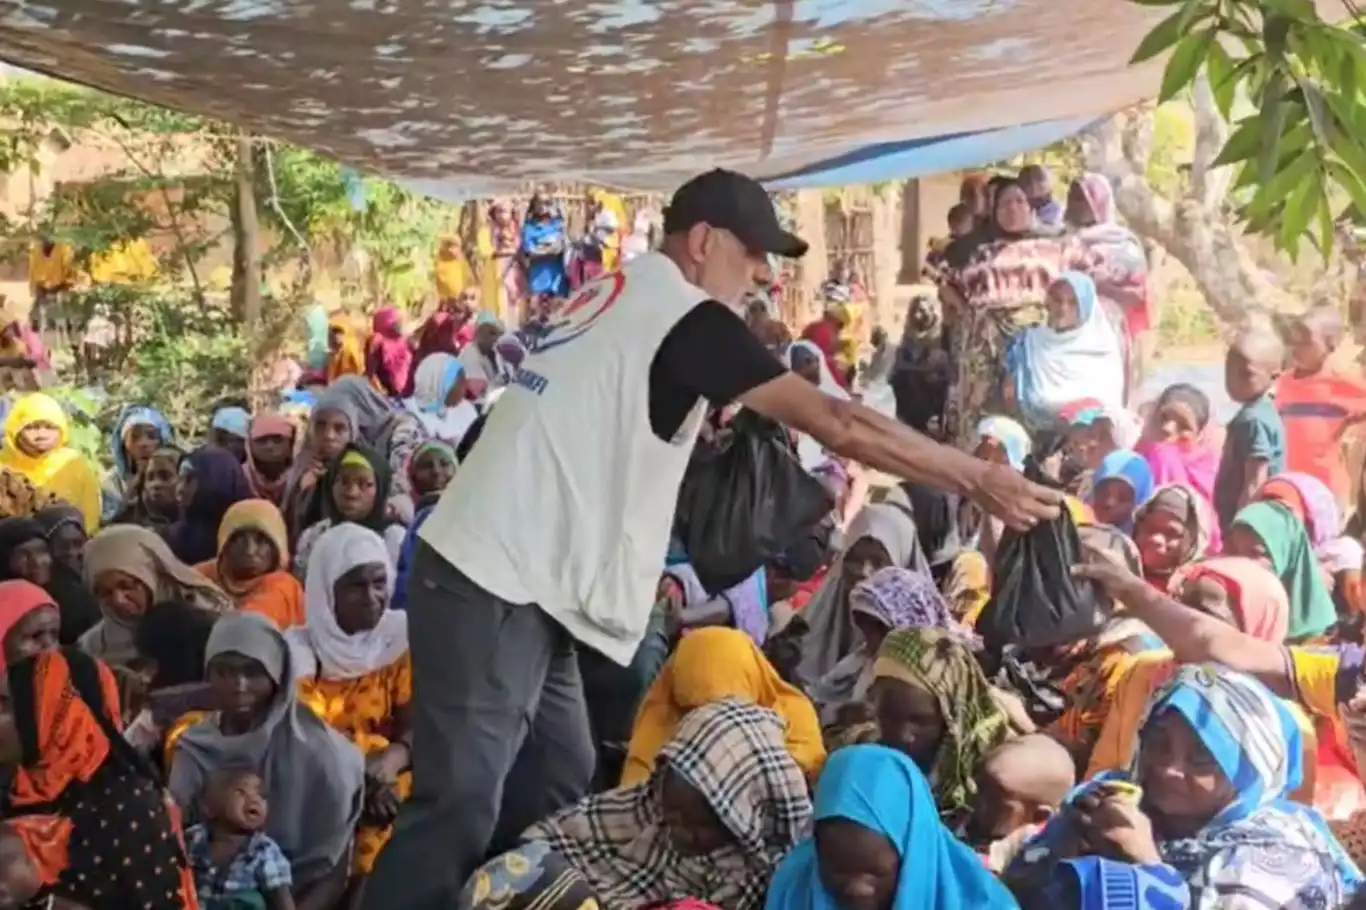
pixel 555 528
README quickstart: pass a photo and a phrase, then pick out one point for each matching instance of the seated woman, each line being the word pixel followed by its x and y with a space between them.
pixel 211 481
pixel 138 431
pixel 170 642
pixel 439 399
pixel 1232 589
pixel 879 843
pixel 37 445
pixel 351 659
pixel 355 490
pixel 1179 443
pixel 151 501
pixel 1120 485
pixel 25 553
pixel 934 704
pixel 1339 555
pixel 29 621
pixel 332 425
pixel 889 599
pixel 270 454
pixel 129 569
pixel 880 535
pixel 709 665
pixel 431 471
pixel 314 778
pixel 1271 534
pixel 724 804
pixel 118 844
pixel 1217 758
pixel 1172 529
pixel 253 563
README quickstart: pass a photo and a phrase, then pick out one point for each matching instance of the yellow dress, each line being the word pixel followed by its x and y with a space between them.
pixel 53 270
pixel 362 710
pixel 124 263
pixel 611 254
pixel 452 275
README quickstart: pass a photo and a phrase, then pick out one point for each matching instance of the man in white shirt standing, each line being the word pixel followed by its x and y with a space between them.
pixel 555 528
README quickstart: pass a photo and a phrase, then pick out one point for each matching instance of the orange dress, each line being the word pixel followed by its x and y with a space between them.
pixel 363 711
pixel 278 596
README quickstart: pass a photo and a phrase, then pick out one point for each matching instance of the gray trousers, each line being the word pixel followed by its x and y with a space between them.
pixel 500 735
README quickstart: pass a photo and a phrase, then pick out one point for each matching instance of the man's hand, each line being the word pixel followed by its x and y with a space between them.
pixel 1005 493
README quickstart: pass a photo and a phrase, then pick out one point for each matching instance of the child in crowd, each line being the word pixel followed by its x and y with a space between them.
pixel 1316 402
pixel 1020 785
pixel 236 864
pixel 1254 443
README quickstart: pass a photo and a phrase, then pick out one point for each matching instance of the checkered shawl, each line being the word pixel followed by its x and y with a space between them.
pixel 730 751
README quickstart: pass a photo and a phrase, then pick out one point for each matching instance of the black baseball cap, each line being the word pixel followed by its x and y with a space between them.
pixel 736 203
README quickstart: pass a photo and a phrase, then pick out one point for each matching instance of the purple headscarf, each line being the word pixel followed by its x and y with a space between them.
pixel 219 483
pixel 901 599
pixel 1321 517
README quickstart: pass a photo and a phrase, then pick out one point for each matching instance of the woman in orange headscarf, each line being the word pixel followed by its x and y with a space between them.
pixel 115 841
pixel 252 565
pixel 345 353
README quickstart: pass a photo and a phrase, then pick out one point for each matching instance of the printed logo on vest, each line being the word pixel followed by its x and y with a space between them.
pixel 579 314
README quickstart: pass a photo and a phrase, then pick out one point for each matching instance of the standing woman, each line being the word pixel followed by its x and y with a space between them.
pixel 351 658
pixel 117 842
pixel 991 292
pixel 543 247
pixel 345 353
pixel 211 481
pixel 502 284
pixel 37 445
pixel 130 568
pixel 388 357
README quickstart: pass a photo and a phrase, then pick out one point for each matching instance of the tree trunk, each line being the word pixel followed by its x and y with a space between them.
pixel 1194 228
pixel 246 232
pixel 886 207
pixel 815 264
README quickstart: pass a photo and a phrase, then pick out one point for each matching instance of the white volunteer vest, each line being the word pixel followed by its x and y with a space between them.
pixel 568 499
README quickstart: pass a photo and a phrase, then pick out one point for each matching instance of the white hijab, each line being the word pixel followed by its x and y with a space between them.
pixel 810 452
pixel 320 647
pixel 436 375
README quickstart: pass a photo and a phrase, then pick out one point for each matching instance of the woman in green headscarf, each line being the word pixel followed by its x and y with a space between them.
pixel 1273 535
pixel 935 705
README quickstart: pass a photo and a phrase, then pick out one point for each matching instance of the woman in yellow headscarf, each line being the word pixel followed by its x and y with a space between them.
pixel 611 252
pixel 708 665
pixel 252 564
pixel 37 433
pixel 452 273
pixel 345 353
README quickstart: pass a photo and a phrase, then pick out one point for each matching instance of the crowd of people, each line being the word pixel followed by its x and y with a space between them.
pixel 409 642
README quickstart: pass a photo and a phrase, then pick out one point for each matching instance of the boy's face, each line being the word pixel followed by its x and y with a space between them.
pixel 238 802
pixel 1245 378
pixel 1308 348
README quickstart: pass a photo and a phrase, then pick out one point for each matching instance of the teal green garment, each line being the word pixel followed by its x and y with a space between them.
pixel 315 318
pixel 1292 559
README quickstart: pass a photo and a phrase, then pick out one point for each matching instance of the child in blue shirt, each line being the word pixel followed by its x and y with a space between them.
pixel 1254 445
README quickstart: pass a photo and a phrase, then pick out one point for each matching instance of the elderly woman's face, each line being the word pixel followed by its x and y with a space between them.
pixel 1064 313
pixel 121 595
pixel 1078 213
pixel 250 553
pixel 360 597
pixel 1013 213
pixel 35 633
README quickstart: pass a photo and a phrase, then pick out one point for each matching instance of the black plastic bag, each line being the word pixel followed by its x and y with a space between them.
pixel 744 499
pixel 1035 600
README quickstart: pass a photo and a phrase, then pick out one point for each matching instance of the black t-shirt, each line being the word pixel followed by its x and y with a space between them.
pixel 710 353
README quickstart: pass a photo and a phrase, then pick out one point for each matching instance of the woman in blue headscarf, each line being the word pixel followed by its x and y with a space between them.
pixel 1078 352
pixel 544 242
pixel 1121 484
pixel 877 828
pixel 1001 440
pixel 138 432
pixel 1205 806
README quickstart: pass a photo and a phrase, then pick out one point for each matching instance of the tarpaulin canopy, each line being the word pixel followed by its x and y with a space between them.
pixel 472 97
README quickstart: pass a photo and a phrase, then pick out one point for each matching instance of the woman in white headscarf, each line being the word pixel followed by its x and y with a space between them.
pixel 439 400
pixel 314 779
pixel 352 660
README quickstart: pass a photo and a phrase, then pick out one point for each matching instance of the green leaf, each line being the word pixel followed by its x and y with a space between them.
pixel 1350 183
pixel 1185 62
pixel 1245 142
pixel 1294 9
pixel 1273 123
pixel 1164 35
pixel 1221 71
pixel 1318 112
pixel 1297 212
pixel 1283 182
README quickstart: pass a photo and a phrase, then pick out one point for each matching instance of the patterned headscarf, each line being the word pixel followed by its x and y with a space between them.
pixel 939 663
pixel 19 497
pixel 1012 437
pixel 901 599
pixel 733 754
